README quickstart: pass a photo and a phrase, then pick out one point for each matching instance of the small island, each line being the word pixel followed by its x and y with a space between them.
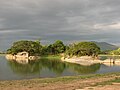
pixel 81 53
pixel 25 51
pixel 84 53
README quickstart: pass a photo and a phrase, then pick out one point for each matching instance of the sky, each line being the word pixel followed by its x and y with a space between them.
pixel 67 20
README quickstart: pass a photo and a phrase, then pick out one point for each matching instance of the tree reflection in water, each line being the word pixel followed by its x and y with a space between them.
pixel 23 69
pixel 54 66
pixel 80 69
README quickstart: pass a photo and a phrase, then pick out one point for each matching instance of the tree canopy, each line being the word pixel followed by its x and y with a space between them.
pixel 83 49
pixel 115 52
pixel 32 47
pixel 35 48
pixel 58 47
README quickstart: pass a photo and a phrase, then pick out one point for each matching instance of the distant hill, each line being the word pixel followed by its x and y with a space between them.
pixel 106 46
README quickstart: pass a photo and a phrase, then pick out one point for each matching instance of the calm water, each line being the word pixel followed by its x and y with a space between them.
pixel 48 68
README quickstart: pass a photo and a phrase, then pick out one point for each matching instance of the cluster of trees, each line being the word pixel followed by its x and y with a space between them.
pixel 83 49
pixel 32 47
pixel 55 48
pixel 35 48
pixel 115 52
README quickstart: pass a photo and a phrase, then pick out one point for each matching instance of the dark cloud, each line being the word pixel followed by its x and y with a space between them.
pixel 68 20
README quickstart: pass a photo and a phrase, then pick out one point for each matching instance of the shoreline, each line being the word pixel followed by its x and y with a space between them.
pixel 67 82
pixel 84 60
pixel 88 60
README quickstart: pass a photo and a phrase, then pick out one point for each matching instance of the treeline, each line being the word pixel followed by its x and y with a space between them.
pixel 58 47
pixel 115 52
pixel 36 48
pixel 111 52
pixel 1 52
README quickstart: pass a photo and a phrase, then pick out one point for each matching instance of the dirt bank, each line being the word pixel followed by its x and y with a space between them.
pixel 64 83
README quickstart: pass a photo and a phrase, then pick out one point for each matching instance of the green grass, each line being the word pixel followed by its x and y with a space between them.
pixel 110 82
pixel 43 81
pixel 71 78
pixel 117 80
pixel 51 57
pixel 2 54
pixel 65 79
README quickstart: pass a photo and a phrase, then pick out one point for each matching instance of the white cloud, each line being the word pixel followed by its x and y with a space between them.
pixel 115 26
pixel 112 26
pixel 12 32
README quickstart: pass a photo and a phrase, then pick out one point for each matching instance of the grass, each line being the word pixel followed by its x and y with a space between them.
pixel 103 83
pixel 51 57
pixel 57 79
pixel 66 79
pixel 110 82
pixel 2 54
pixel 116 80
pixel 71 78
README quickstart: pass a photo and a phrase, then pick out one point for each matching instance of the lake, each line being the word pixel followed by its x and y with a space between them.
pixel 11 70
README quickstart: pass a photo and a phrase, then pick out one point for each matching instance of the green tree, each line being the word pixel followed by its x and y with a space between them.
pixel 55 48
pixel 58 47
pixel 82 49
pixel 115 52
pixel 32 47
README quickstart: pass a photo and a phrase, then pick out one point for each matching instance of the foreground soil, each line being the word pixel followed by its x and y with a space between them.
pixel 91 82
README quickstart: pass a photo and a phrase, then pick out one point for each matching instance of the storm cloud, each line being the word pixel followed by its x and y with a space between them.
pixel 67 20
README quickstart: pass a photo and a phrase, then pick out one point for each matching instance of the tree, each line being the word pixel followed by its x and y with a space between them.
pixel 115 52
pixel 83 49
pixel 55 48
pixel 35 47
pixel 32 47
pixel 58 47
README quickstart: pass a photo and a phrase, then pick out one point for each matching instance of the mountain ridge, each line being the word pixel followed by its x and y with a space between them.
pixel 105 46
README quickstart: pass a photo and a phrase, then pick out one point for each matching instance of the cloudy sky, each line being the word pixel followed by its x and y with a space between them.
pixel 67 20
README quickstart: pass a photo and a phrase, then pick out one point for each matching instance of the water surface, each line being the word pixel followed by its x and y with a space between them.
pixel 10 70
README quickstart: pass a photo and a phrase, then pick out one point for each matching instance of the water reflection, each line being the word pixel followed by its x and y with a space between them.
pixel 23 61
pixel 110 60
pixel 84 69
pixel 30 68
pixel 54 66
pixel 109 57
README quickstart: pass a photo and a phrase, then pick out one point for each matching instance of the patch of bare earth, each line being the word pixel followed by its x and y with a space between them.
pixel 80 84
pixel 106 87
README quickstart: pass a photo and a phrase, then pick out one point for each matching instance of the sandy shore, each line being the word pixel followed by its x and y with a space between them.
pixel 87 60
pixel 81 60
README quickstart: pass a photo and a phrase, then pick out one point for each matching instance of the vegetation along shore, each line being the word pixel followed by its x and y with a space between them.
pixel 84 53
pixel 95 82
